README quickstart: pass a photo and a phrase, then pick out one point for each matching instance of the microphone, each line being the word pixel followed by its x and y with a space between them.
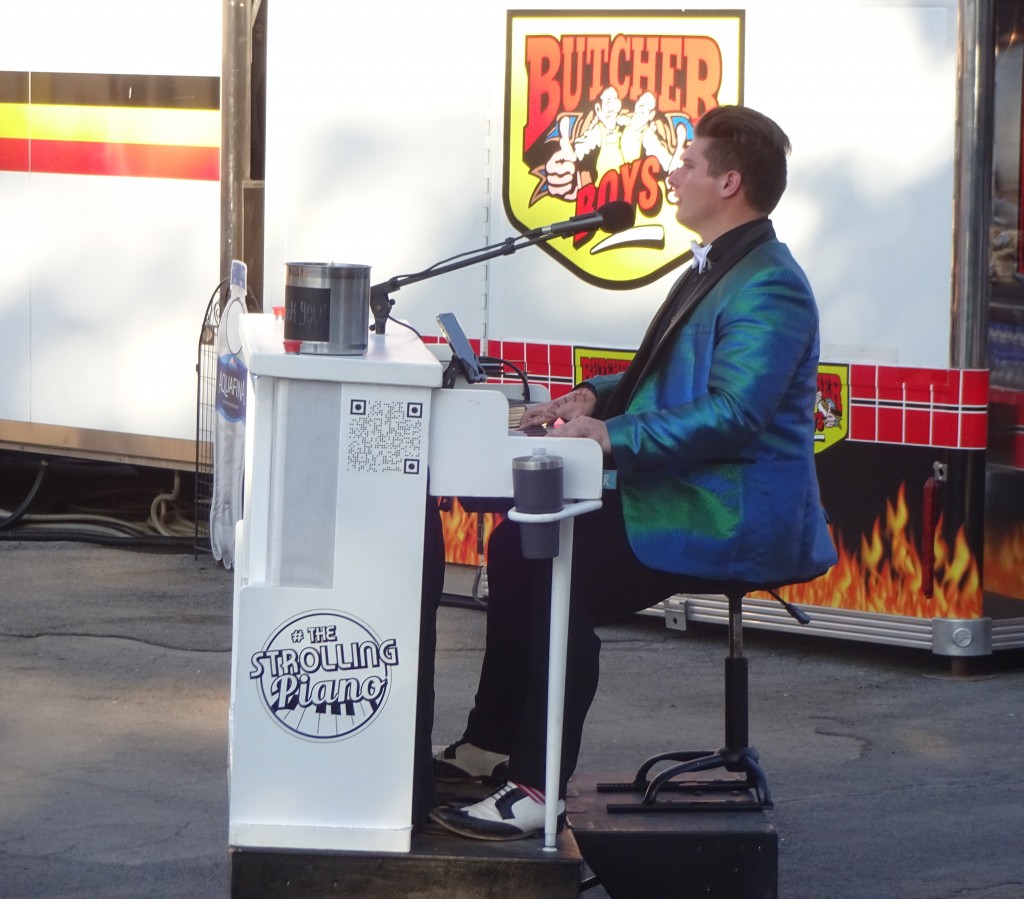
pixel 612 217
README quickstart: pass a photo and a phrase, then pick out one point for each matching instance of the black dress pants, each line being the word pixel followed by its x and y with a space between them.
pixel 424 793
pixel 510 710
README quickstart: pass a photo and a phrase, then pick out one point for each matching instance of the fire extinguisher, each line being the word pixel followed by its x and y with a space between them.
pixel 929 521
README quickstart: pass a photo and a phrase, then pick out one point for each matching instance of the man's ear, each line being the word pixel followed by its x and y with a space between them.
pixel 731 182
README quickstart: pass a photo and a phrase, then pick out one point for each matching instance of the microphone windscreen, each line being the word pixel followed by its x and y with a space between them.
pixel 617 216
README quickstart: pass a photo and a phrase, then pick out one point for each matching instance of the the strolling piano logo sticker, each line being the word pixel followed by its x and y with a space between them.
pixel 598 108
pixel 324 675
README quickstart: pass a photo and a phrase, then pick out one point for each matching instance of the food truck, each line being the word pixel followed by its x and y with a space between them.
pixel 140 153
pixel 109 224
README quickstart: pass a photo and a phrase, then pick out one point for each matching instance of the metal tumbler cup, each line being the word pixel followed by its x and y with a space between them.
pixel 537 489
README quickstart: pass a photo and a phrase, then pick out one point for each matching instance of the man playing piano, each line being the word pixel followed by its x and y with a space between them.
pixel 709 431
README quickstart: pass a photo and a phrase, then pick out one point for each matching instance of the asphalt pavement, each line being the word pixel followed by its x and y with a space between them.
pixel 891 776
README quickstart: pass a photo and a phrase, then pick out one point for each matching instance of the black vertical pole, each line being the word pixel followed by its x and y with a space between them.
pixel 736 733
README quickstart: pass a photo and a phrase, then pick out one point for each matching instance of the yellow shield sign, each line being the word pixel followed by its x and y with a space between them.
pixel 598 109
pixel 831 406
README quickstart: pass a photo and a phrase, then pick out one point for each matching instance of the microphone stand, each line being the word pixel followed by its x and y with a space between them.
pixel 380 299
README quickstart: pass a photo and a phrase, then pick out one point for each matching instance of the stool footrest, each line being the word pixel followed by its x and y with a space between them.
pixel 749 791
pixel 640 779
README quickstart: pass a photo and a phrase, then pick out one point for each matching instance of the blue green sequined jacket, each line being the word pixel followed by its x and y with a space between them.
pixel 715 452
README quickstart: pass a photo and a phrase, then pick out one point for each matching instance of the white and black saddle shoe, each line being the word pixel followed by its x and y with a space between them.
pixel 509 813
pixel 463 762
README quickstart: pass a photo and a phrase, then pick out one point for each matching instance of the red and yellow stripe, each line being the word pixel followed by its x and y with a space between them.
pixel 119 138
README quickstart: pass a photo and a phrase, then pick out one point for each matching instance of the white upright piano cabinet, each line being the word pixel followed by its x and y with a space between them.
pixel 327 579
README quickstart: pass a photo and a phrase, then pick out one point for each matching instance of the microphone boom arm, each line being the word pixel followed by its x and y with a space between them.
pixel 381 302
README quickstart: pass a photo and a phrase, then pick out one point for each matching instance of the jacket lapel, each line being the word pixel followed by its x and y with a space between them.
pixel 751 239
pixel 650 347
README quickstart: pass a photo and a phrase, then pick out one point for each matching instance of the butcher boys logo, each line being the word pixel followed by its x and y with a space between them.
pixel 599 109
pixel 324 675
pixel 589 362
pixel 831 401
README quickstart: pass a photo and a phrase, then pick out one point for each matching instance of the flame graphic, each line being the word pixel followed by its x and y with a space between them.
pixel 1004 560
pixel 886 575
pixel 461 531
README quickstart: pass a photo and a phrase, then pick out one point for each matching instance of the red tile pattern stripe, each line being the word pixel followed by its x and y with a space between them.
pixel 937 407
pixel 919 406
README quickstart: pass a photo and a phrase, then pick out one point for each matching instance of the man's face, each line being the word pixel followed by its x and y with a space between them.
pixel 643 112
pixel 608 108
pixel 696 191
